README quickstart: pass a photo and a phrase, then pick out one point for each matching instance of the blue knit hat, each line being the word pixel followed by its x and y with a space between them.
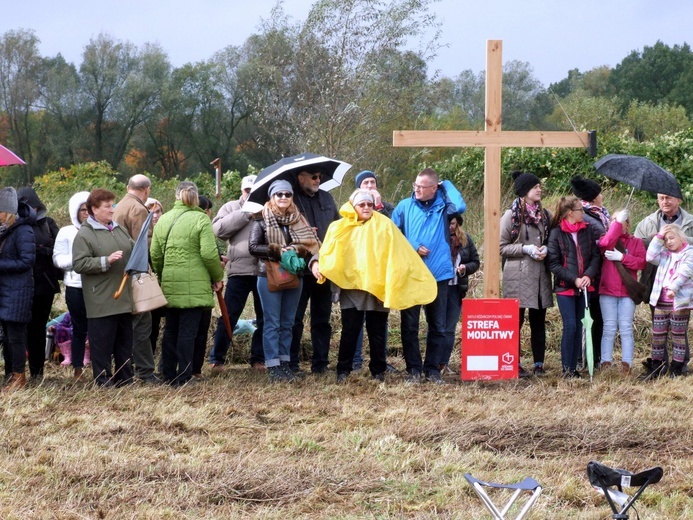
pixel 365 174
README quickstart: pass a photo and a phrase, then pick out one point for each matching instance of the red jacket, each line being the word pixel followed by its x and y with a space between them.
pixel 633 260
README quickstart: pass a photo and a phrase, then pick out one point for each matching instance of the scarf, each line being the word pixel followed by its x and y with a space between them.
pixel 529 215
pixel 572 228
pixel 599 212
pixel 299 230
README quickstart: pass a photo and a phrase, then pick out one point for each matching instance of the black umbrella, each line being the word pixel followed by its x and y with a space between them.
pixel 332 172
pixel 640 173
pixel 139 257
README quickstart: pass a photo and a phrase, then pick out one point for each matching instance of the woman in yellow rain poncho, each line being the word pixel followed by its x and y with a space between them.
pixel 376 269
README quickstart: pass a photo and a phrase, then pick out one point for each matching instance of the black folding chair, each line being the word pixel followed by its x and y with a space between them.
pixel 528 484
pixel 604 478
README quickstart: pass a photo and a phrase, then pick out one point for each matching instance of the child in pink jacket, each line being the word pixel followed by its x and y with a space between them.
pixel 618 309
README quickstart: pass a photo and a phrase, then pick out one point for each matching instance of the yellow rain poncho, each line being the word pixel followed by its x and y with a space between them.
pixel 374 256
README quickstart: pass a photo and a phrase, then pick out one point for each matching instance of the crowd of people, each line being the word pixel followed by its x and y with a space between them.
pixel 368 255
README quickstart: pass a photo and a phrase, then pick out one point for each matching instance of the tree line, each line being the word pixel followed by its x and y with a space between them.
pixel 336 83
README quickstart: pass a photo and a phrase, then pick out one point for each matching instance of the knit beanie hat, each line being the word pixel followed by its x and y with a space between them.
pixel 8 200
pixel 585 189
pixel 361 195
pixel 280 185
pixel 365 174
pixel 524 181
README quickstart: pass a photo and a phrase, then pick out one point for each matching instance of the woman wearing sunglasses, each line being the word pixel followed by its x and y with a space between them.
pixel 376 269
pixel 280 227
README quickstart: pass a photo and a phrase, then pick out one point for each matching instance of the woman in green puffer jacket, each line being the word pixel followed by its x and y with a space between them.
pixel 185 257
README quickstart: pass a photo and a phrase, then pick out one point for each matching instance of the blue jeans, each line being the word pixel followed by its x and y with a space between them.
pixel 572 311
pixel 618 315
pixel 452 318
pixel 435 313
pixel 279 311
pixel 237 290
pixel 178 344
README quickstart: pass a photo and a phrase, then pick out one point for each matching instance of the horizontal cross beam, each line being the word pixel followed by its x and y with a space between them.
pixel 506 139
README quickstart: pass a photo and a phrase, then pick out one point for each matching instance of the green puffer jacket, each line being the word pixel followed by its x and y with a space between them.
pixel 100 281
pixel 185 257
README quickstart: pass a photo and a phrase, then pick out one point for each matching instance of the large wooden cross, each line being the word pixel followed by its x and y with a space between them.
pixel 493 139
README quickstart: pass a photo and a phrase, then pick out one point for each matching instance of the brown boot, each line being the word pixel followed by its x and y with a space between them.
pixel 78 375
pixel 625 368
pixel 16 382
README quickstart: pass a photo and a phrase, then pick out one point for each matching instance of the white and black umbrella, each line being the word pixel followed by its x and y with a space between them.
pixel 287 168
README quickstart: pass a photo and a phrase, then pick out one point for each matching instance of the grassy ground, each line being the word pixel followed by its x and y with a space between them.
pixel 236 447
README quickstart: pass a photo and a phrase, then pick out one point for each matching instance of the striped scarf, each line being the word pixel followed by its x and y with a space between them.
pixel 297 226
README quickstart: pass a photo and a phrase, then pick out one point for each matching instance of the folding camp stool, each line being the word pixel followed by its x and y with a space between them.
pixel 603 478
pixel 528 484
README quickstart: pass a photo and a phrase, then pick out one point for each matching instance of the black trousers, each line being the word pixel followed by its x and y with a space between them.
pixel 201 341
pixel 537 329
pixel 376 327
pixel 110 339
pixel 36 332
pixel 320 296
pixel 14 347
pixel 179 344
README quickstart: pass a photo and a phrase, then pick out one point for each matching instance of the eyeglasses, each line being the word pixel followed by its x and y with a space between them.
pixel 314 176
pixel 421 186
pixel 283 195
pixel 364 205
pixel 84 210
pixel 578 209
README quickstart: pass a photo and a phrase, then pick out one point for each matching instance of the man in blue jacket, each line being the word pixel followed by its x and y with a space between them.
pixel 424 220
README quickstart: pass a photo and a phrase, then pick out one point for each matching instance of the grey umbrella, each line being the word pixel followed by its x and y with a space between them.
pixel 139 258
pixel 640 173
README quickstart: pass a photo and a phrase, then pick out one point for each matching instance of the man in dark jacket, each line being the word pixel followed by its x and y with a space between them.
pixel 46 280
pixel 320 210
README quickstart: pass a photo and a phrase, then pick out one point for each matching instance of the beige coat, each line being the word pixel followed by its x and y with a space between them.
pixel 523 277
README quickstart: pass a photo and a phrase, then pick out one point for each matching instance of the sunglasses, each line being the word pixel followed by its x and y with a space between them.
pixel 313 177
pixel 283 195
pixel 365 205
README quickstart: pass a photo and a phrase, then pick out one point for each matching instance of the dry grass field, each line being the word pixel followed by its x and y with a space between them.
pixel 235 446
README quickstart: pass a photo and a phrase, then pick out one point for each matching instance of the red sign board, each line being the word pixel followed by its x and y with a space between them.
pixel 490 339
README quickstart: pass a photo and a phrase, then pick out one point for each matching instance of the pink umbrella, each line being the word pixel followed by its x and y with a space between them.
pixel 8 157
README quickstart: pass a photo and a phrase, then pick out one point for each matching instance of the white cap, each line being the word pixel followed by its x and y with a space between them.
pixel 247 182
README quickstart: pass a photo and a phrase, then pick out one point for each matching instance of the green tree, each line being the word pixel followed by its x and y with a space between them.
pixel 19 64
pixel 653 75
pixel 122 86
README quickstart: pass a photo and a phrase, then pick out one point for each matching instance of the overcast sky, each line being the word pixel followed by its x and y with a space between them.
pixel 553 36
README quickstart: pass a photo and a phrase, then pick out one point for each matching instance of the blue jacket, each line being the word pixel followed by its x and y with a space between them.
pixel 16 268
pixel 429 226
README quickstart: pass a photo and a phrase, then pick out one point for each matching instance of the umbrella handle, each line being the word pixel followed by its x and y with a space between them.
pixel 587 305
pixel 122 286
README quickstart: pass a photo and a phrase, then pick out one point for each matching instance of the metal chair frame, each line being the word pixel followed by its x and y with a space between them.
pixel 527 485
pixel 603 478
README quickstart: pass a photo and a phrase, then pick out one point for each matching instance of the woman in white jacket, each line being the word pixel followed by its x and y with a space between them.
pixel 62 258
